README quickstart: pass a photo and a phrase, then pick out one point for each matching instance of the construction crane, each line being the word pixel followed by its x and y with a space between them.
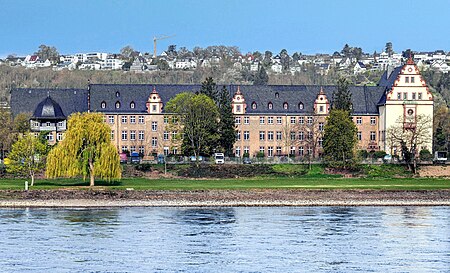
pixel 157 39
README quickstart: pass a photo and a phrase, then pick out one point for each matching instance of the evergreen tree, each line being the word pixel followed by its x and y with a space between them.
pixel 261 78
pixel 339 138
pixel 342 99
pixel 226 127
pixel 209 88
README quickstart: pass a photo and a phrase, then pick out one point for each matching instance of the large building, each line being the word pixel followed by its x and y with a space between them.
pixel 274 120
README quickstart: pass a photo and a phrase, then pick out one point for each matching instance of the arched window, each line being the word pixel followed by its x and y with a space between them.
pixel 132 105
pixel 285 106
pixel 117 105
pixel 254 105
pixel 103 105
pixel 277 95
pixel 270 106
pixel 300 106
pixel 117 94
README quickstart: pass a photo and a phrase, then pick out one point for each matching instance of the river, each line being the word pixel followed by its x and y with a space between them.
pixel 241 239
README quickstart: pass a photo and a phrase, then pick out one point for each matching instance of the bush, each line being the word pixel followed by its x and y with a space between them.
pixel 379 154
pixel 260 155
pixel 363 154
pixel 425 155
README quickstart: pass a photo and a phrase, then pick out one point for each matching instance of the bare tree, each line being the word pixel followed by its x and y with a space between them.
pixel 410 134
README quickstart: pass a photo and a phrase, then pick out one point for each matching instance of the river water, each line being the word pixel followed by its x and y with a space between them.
pixel 242 239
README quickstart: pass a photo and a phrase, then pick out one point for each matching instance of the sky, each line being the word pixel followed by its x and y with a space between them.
pixel 306 26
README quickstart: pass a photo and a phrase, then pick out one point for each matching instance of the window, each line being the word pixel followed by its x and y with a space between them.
pixel 321 108
pixel 166 135
pixel 310 120
pixel 153 108
pixel 124 119
pixel 279 135
pixel 359 120
pixel 124 135
pixel 60 124
pixel 133 148
pixel 262 149
pixel 300 106
pixel 301 151
pixel 246 150
pixel 277 95
pixel 270 135
pixel 412 79
pixel 309 150
pixel 141 150
pixel 301 136
pixel 117 94
pixel 246 120
pixel 103 105
pixel 117 105
pixel 279 120
pixel 238 135
pixel 262 135
pixel 154 142
pixel 292 151
pixel 112 134
pixel 124 149
pixel 270 106
pixel 278 150
pixel 399 95
pixel 373 121
pixel 405 96
pixel 321 126
pixel 175 151
pixel 254 105
pixel 174 134
pixel 246 135
pixel 270 151
pixel 59 136
pixel 238 108
pixel 141 119
pixel 48 124
pixel 373 136
pixel 237 120
pixel 359 135
pixel 406 79
pixel 413 96
pixel 292 120
pixel 310 135
pixel 132 135
pixel 154 126
pixel 238 151
pixel 292 134
pixel 261 120
pixel 132 105
pixel 166 119
pixel 270 120
pixel 166 151
pixel 320 142
pixel 285 106
pixel 132 119
pixel 301 120
pixel 141 135
pixel 419 96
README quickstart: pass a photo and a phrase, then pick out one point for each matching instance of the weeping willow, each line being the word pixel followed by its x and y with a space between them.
pixel 85 150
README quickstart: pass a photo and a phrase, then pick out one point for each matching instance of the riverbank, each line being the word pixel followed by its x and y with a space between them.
pixel 213 198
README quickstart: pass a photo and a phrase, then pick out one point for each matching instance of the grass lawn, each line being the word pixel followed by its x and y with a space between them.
pixel 237 184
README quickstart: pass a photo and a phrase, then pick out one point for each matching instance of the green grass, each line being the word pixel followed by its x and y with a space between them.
pixel 238 184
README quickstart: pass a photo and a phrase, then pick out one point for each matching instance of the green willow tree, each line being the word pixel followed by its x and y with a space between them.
pixel 27 156
pixel 197 117
pixel 85 150
pixel 226 126
pixel 339 139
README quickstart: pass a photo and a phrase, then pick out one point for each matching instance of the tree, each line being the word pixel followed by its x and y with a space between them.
pixel 261 78
pixel 267 57
pixel 226 127
pixel 6 131
pixel 27 156
pixel 126 52
pixel 346 50
pixel 22 123
pixel 284 59
pixel 197 117
pixel 342 99
pixel 441 128
pixel 47 52
pixel 388 49
pixel 410 134
pixel 85 150
pixel 339 139
pixel 209 88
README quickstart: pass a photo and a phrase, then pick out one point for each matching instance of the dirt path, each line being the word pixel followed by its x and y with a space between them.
pixel 434 171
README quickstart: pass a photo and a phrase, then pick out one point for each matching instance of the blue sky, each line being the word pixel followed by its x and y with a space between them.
pixel 307 26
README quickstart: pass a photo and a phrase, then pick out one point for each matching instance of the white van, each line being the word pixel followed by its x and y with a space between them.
pixel 219 158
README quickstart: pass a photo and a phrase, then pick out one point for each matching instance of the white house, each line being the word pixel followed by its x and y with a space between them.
pixel 254 66
pixel 277 68
pixel 111 64
pixel 440 66
pixel 359 68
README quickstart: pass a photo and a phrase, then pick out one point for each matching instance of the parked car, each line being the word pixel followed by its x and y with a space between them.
pixel 219 158
pixel 247 160
pixel 193 159
pixel 135 158
pixel 123 158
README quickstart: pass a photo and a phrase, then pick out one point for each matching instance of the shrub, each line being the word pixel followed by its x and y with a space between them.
pixel 425 155
pixel 260 155
pixel 379 154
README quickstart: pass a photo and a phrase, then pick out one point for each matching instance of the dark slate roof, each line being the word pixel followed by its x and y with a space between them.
pixel 388 80
pixel 48 109
pixel 27 99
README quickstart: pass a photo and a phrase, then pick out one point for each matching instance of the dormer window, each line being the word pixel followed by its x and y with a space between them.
pixel 254 105
pixel 132 105
pixel 285 106
pixel 103 105
pixel 277 95
pixel 301 106
pixel 117 105
pixel 270 106
pixel 117 94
